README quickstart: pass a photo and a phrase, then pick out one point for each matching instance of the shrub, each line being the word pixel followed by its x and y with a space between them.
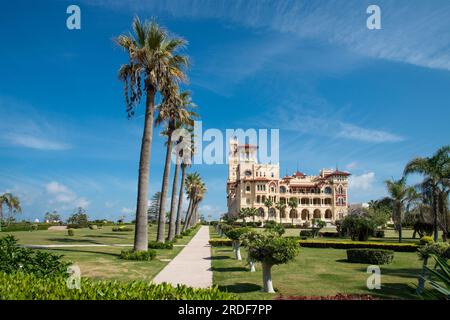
pixel 220 242
pixel 93 227
pixel 17 259
pixel 70 232
pixel 306 233
pixel 358 227
pixel 122 229
pixel 160 245
pixel 34 227
pixel 426 240
pixel 254 224
pixel 138 255
pixel 329 234
pixel 399 247
pixel 12 288
pixel 25 226
pixel 379 234
pixel 371 256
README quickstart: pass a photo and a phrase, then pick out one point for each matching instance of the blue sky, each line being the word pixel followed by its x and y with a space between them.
pixel 365 100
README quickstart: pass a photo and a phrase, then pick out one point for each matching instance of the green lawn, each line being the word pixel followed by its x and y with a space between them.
pixel 102 262
pixel 315 272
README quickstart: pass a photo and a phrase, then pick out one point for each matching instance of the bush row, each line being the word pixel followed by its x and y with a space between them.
pixel 370 256
pixel 26 227
pixel 138 255
pixel 12 288
pixel 399 247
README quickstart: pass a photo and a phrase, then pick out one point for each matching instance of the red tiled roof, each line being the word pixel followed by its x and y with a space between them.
pixel 299 174
pixel 338 173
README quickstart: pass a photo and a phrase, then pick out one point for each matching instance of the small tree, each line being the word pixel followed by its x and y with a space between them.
pixel 244 213
pixel 271 250
pixel 358 226
pixel 247 240
pixel 276 228
pixel 269 204
pixel 52 217
pixel 293 204
pixel 281 207
pixel 79 218
pixel 235 234
pixel 317 225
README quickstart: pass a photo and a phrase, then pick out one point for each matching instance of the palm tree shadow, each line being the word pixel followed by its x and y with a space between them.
pixel 240 287
pixel 218 258
pixel 65 250
pixel 70 240
pixel 229 269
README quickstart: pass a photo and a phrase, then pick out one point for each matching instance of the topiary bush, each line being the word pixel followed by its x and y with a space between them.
pixel 93 227
pixel 271 250
pixel 160 245
pixel 18 259
pixel 371 256
pixel 306 233
pixel 55 288
pixel 400 247
pixel 426 240
pixel 70 232
pixel 138 255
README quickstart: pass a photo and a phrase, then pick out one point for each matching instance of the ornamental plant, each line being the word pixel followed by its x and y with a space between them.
pixel 247 240
pixel 235 235
pixel 438 249
pixel 271 250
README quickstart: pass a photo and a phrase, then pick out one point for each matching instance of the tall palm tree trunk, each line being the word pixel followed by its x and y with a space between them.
pixel 435 215
pixel 193 221
pixel 399 221
pixel 180 201
pixel 188 215
pixel 172 219
pixel 141 229
pixel 164 189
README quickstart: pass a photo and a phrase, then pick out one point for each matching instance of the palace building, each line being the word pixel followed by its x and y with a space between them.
pixel 250 183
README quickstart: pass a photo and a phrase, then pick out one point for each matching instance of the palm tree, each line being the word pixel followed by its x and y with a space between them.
pixel 400 196
pixel 281 207
pixel 195 190
pixel 269 204
pixel 153 62
pixel 436 172
pixel 244 213
pixel 13 204
pixel 293 204
pixel 175 111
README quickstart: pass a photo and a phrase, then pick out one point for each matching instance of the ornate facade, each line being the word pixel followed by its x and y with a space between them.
pixel 249 184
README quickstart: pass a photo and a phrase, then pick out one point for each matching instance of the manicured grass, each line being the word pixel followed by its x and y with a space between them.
pixel 102 262
pixel 315 272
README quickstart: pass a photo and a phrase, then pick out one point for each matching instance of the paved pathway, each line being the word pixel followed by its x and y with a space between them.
pixel 192 266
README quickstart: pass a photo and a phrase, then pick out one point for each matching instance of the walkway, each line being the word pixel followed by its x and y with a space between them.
pixel 192 266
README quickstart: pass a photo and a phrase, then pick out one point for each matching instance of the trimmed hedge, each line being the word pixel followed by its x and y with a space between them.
pixel 26 226
pixel 219 242
pixel 371 256
pixel 160 245
pixel 12 288
pixel 138 255
pixel 399 247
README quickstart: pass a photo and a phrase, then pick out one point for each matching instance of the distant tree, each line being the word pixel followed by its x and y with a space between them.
pixel 12 203
pixel 79 218
pixel 293 204
pixel 52 216
pixel 281 207
pixel 268 203
pixel 153 210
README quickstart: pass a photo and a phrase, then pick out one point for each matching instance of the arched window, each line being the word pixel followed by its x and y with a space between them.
pixel 328 214
pixel 317 214
pixel 261 212
pixel 305 214
pixel 247 188
pixel 272 213
pixel 258 199
pixel 328 190
pixel 293 214
pixel 282 189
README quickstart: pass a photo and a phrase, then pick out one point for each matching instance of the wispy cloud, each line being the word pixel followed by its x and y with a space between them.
pixel 414 32
pixel 321 123
pixel 22 126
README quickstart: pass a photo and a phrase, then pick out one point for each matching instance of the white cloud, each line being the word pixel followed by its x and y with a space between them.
pixel 61 195
pixel 362 182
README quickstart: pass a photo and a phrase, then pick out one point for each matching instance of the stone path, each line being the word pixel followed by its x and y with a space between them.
pixel 192 266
